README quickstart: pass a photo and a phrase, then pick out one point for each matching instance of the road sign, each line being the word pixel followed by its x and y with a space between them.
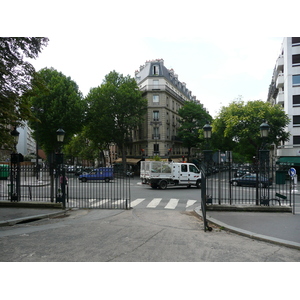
pixel 292 172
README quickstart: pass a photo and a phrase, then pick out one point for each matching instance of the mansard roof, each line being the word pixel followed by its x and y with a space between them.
pixel 156 68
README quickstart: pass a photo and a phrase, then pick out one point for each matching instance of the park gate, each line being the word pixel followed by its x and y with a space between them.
pixel 42 185
pixel 259 183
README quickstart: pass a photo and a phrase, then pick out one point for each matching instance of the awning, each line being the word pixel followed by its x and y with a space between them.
pixel 130 161
pixel 179 160
pixel 289 160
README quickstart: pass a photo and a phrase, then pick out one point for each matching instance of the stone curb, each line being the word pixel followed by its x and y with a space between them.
pixel 31 204
pixel 249 234
pixel 31 218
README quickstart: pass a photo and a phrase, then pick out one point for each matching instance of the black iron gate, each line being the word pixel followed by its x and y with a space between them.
pixel 260 183
pixel 41 185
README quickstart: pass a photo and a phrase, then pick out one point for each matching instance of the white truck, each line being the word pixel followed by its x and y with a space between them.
pixel 161 174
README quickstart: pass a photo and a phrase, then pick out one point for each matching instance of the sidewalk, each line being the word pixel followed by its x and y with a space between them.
pixel 276 227
pixel 12 213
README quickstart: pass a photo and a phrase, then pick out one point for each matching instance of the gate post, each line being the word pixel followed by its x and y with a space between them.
pixel 205 171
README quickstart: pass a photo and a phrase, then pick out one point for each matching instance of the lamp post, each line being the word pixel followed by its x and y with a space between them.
pixel 15 169
pixel 207 160
pixel 60 170
pixel 264 159
pixel 37 111
pixel 207 153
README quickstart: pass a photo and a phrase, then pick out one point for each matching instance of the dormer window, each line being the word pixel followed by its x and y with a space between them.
pixel 155 70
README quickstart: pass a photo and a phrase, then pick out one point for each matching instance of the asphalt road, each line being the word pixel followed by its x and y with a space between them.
pixel 136 235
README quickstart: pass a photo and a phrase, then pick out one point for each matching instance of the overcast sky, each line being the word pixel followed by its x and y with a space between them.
pixel 222 50
pixel 216 70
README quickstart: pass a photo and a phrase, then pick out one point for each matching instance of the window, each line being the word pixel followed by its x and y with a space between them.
pixel 295 40
pixel 155 70
pixel 296 120
pixel 156 148
pixel 155 83
pixel 155 115
pixel 296 79
pixel 183 168
pixel 296 139
pixel 296 100
pixel 155 98
pixel 296 59
pixel 193 169
pixel 156 132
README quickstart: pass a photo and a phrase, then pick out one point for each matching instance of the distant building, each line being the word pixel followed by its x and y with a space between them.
pixel 26 144
pixel 285 90
pixel 166 95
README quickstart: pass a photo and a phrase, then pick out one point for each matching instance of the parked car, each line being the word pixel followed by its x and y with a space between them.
pixel 250 180
pixel 242 171
pixel 103 173
pixel 83 170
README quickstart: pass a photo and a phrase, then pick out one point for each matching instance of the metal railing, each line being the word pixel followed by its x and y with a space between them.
pixel 108 194
pixel 226 185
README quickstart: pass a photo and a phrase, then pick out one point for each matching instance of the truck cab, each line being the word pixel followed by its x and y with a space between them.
pixel 188 173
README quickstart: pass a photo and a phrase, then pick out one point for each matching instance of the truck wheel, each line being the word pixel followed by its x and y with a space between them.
pixel 163 185
pixel 106 179
pixel 198 184
pixel 83 179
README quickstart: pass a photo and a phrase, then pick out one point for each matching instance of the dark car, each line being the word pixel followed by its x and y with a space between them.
pixel 250 180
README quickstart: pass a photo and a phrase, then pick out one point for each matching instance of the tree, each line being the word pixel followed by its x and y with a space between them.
pixel 115 109
pixel 80 147
pixel 193 117
pixel 15 80
pixel 239 124
pixel 62 106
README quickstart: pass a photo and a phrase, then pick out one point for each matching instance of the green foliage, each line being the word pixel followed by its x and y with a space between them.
pixel 193 118
pixel 15 80
pixel 238 126
pixel 62 107
pixel 115 109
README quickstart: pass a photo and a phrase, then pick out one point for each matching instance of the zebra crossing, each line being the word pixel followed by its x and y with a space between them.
pixel 155 203
pixel 162 204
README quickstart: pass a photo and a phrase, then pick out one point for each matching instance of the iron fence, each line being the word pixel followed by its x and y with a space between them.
pixel 45 185
pixel 230 184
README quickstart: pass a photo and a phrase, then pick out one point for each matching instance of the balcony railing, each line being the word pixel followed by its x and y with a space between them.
pixel 288 150
pixel 280 80
pixel 280 98
pixel 165 88
pixel 279 63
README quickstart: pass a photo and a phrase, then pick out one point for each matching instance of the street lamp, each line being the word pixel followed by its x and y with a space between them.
pixel 15 133
pixel 264 130
pixel 207 129
pixel 60 133
pixel 15 169
pixel 61 183
pixel 37 111
pixel 264 159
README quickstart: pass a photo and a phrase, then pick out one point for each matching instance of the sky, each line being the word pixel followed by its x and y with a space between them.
pixel 222 50
pixel 218 70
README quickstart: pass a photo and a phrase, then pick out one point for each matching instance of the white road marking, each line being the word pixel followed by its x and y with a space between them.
pixel 154 202
pixel 172 203
pixel 137 202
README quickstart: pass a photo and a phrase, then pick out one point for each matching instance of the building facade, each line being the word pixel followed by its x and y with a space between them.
pixel 166 95
pixel 285 91
pixel 26 144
